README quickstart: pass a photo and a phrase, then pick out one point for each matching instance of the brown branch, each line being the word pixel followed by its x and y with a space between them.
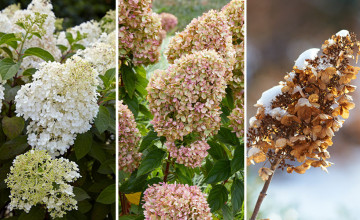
pixel 262 194
pixel 125 205
pixel 167 169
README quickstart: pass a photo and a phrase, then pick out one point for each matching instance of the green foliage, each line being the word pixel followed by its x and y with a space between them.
pixel 93 151
pixel 221 173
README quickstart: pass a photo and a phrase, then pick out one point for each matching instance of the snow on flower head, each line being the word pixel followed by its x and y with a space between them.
pixel 37 179
pixel 185 98
pixel 140 32
pixel 168 21
pixel 175 201
pixel 60 102
pixel 129 138
pixel 210 31
pixel 297 119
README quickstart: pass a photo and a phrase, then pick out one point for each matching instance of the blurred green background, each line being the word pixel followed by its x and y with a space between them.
pixel 186 10
pixel 73 12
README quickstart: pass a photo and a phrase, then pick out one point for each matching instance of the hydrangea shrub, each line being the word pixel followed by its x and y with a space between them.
pixel 57 133
pixel 191 164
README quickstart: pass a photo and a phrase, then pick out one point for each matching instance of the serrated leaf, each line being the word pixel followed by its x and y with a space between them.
pixel 148 139
pixel 8 68
pixel 9 39
pixel 80 194
pixel 237 195
pixel 107 196
pixel 83 145
pixel 219 172
pixel 110 74
pixel 13 127
pixel 227 137
pixel 151 161
pixel 102 120
pixel 39 52
pixel 129 79
pixel 217 197
pixel 237 162
pixel 217 151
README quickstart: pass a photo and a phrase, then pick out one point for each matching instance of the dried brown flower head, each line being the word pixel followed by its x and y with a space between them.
pixel 296 120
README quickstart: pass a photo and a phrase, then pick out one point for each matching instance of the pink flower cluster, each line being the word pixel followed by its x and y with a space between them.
pixel 234 12
pixel 175 201
pixel 186 98
pixel 191 156
pixel 168 21
pixel 237 121
pixel 129 138
pixel 210 31
pixel 140 32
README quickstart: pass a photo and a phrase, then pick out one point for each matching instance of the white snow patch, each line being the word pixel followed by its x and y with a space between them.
pixel 278 113
pixel 268 96
pixel 343 33
pixel 253 151
pixel 307 54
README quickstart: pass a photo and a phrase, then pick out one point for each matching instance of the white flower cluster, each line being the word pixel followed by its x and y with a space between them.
pixel 35 178
pixel 91 29
pixel 101 53
pixel 61 102
pixel 12 14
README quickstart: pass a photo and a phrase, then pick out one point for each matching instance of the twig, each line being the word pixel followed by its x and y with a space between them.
pixel 264 190
pixel 167 169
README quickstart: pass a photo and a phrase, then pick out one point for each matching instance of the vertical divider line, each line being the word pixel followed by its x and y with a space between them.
pixel 245 109
pixel 116 114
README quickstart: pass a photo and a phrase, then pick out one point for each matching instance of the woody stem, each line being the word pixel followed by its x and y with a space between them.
pixel 262 194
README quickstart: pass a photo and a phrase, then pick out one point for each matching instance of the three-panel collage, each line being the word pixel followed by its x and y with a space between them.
pixel 179 109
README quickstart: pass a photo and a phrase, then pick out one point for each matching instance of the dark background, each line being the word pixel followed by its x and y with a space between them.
pixel 74 12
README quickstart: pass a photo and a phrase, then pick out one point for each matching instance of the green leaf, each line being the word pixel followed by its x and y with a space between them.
pixel 10 93
pixel 237 195
pixel 237 162
pixel 141 84
pixel 77 47
pixel 9 39
pixel 229 98
pixel 134 184
pixel 217 151
pixel 107 196
pixel 36 213
pixel 151 161
pixel 227 213
pixel 110 74
pixel 8 68
pixel 38 52
pixel 69 37
pixel 217 197
pixel 63 48
pixel 143 109
pixel 148 139
pixel 12 127
pixel 129 79
pixel 219 172
pixel 108 167
pixel 8 51
pixel 97 152
pixel 133 104
pixel 29 72
pixel 84 206
pixel 82 145
pixel 102 120
pixel 80 194
pixel 227 137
